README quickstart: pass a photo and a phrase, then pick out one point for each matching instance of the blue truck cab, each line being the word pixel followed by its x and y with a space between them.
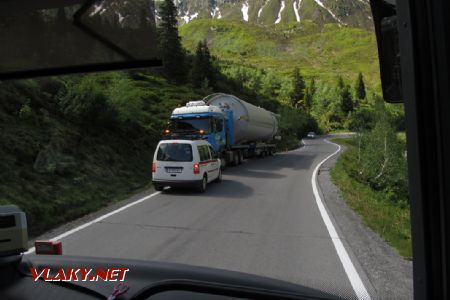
pixel 197 120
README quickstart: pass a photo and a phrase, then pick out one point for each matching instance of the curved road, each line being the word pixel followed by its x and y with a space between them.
pixel 262 219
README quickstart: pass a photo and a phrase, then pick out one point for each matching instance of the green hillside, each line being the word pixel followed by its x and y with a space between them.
pixel 323 52
pixel 73 144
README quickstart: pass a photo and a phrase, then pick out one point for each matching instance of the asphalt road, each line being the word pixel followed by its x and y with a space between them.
pixel 262 219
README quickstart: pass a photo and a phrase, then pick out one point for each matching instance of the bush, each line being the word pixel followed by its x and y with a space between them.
pixel 86 103
pixel 381 161
pixel 126 99
pixel 294 124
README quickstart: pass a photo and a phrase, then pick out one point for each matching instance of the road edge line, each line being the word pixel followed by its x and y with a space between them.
pixel 352 274
pixel 96 220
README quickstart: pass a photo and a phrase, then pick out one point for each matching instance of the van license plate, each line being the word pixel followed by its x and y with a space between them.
pixel 174 170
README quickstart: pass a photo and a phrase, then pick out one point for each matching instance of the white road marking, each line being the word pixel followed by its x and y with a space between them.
pixel 350 270
pixel 67 233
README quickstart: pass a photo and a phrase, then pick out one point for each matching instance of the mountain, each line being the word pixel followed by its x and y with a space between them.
pixel 353 13
pixel 320 51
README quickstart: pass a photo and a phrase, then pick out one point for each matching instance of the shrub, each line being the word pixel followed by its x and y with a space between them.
pixel 86 103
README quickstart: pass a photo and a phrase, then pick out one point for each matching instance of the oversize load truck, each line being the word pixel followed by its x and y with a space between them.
pixel 235 128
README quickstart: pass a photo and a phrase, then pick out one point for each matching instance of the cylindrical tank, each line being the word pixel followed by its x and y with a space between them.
pixel 251 123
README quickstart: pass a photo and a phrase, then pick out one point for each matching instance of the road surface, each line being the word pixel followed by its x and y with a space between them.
pixel 262 219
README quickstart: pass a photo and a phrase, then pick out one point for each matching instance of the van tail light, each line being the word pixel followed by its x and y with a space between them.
pixel 196 169
pixel 153 167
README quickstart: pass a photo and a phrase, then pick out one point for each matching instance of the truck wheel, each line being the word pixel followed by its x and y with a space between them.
pixel 235 161
pixel 223 164
pixel 240 157
pixel 219 177
pixel 202 186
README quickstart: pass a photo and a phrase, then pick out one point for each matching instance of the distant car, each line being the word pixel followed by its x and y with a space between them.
pixel 311 135
pixel 185 163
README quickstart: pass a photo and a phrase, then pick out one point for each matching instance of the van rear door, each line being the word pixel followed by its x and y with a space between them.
pixel 174 161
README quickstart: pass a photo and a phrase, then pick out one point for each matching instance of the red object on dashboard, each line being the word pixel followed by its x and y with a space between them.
pixel 48 247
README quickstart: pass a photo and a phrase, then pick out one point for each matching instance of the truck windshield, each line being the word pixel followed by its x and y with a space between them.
pixel 174 152
pixel 190 125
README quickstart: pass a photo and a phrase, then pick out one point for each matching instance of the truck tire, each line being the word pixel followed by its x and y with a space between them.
pixel 263 153
pixel 223 164
pixel 219 178
pixel 203 184
pixel 235 161
pixel 240 157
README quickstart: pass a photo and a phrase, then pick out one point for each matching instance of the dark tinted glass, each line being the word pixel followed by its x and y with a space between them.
pixel 65 34
pixel 174 152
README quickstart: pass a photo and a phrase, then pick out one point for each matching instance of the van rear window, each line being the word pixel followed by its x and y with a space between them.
pixel 174 152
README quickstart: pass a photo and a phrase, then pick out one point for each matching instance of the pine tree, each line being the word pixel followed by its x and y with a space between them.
pixel 172 53
pixel 197 74
pixel 360 89
pixel 346 100
pixel 202 66
pixel 298 88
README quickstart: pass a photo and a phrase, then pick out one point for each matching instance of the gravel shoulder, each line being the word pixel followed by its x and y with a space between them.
pixel 389 273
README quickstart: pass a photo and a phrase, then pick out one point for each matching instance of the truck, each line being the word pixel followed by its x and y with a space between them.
pixel 235 128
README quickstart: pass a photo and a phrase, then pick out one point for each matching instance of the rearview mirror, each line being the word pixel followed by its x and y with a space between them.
pixel 385 22
pixel 50 37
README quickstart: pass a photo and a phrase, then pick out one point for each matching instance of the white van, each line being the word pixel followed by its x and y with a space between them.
pixel 185 163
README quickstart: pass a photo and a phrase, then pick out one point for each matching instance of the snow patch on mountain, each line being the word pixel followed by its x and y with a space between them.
pixel 120 17
pixel 244 10
pixel 97 9
pixel 189 17
pixel 216 13
pixel 261 9
pixel 330 12
pixel 296 6
pixel 279 13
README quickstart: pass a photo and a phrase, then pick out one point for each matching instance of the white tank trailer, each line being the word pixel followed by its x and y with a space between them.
pixel 251 123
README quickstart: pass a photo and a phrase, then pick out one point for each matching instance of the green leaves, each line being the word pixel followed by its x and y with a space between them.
pixel 126 99
pixel 85 102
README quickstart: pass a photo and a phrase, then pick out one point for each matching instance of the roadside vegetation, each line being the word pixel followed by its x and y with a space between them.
pixel 372 176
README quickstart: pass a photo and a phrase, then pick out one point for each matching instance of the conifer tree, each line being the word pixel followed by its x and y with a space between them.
pixel 298 88
pixel 172 53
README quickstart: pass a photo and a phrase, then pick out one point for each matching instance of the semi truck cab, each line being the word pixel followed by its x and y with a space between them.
pixel 198 120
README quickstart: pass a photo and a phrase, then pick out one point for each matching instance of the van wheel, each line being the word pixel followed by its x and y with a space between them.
pixel 159 188
pixel 219 177
pixel 202 186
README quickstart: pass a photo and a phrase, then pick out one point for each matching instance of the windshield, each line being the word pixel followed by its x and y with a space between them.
pixel 190 125
pixel 308 180
pixel 174 152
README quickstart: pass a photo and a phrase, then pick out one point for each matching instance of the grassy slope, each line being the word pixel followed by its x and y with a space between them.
pixel 390 221
pixel 87 168
pixel 324 52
